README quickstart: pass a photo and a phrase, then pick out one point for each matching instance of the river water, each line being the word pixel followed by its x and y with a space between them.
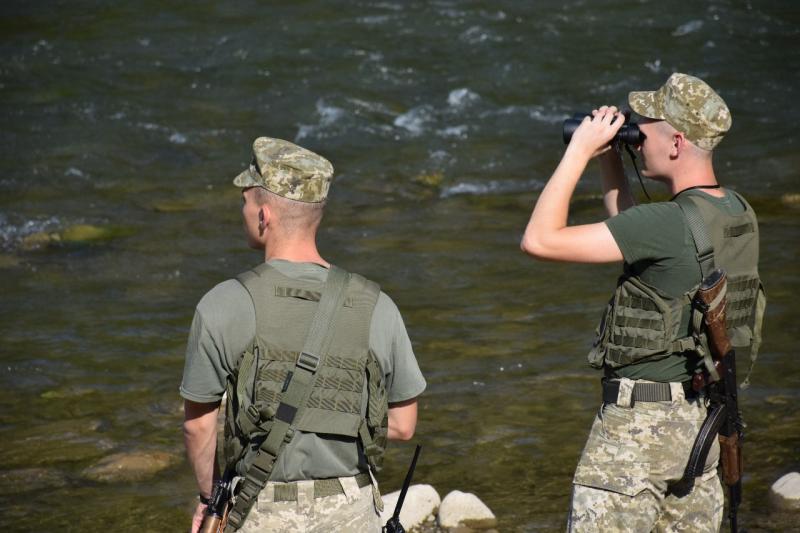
pixel 125 122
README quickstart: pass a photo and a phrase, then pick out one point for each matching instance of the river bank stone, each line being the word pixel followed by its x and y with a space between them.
pixel 462 512
pixel 785 493
pixel 129 466
pixel 420 506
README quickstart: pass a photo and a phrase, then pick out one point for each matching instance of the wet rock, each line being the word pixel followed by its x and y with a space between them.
pixel 420 506
pixel 785 493
pixel 85 233
pixel 778 400
pixel 462 512
pixel 66 392
pixel 792 199
pixel 38 240
pixel 130 466
pixel 73 235
pixel 174 206
pixel 30 479
pixel 430 179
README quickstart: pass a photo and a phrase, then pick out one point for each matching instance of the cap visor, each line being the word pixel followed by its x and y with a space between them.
pixel 245 179
pixel 643 103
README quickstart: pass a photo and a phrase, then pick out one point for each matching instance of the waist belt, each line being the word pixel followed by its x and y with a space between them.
pixel 287 492
pixel 646 392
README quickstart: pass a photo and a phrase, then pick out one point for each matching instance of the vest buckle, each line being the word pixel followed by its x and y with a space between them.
pixel 308 361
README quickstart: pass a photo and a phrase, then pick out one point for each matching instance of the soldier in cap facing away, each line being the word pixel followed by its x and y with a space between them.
pixel 647 345
pixel 316 362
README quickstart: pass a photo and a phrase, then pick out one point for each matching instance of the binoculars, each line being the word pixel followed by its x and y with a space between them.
pixel 629 133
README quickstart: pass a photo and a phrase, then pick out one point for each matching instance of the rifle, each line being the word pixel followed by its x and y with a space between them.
pixel 219 504
pixel 393 525
pixel 724 418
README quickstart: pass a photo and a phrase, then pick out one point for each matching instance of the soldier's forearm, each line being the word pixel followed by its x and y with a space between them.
pixel 402 420
pixel 617 196
pixel 200 438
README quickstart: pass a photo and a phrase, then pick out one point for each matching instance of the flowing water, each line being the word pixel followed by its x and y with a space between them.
pixel 125 122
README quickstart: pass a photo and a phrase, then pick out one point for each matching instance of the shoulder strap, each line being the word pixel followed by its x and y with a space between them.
pixel 700 235
pixel 761 305
pixel 300 383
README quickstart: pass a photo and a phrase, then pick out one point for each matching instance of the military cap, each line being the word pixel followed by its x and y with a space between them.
pixel 689 105
pixel 287 170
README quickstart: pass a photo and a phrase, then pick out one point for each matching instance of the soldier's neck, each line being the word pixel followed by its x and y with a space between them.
pixel 696 175
pixel 295 250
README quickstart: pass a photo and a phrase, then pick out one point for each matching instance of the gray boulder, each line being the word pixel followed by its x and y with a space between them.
pixel 463 511
pixel 785 493
pixel 420 505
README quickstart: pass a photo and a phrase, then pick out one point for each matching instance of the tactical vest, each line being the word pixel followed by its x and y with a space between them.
pixel 284 311
pixel 642 323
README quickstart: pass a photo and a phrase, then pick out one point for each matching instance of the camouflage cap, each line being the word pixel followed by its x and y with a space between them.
pixel 287 170
pixel 689 105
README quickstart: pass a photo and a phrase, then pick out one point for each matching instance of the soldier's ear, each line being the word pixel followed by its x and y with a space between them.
pixel 678 144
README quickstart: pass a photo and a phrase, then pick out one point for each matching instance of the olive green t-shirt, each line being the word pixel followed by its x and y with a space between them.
pixel 225 323
pixel 657 246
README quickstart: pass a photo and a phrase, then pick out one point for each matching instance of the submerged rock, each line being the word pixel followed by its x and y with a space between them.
pixel 73 235
pixel 130 466
pixel 785 493
pixel 792 199
pixel 85 233
pixel 30 479
pixel 40 239
pixel 430 179
pixel 174 206
pixel 462 511
pixel 9 261
pixel 420 506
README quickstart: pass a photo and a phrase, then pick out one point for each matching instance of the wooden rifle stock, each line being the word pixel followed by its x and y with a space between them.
pixel 219 505
pixel 211 524
pixel 710 298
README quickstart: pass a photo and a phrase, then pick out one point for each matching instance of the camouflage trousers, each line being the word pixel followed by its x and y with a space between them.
pixel 633 455
pixel 355 510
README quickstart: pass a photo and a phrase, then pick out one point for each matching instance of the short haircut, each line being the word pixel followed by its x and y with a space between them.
pixel 294 217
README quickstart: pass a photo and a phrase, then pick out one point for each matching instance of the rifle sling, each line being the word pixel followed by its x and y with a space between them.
pixel 294 399
pixel 704 440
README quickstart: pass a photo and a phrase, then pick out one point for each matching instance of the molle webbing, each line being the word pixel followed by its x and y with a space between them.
pixel 296 391
pixel 742 294
pixel 283 310
pixel 305 369
pixel 642 323
pixel 735 249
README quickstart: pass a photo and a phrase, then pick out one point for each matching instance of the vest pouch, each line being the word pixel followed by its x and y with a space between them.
pixel 642 325
pixel 598 351
pixel 233 442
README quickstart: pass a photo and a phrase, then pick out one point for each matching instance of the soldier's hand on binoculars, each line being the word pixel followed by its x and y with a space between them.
pixel 593 137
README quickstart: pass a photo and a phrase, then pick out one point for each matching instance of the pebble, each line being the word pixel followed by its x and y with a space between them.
pixel 785 493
